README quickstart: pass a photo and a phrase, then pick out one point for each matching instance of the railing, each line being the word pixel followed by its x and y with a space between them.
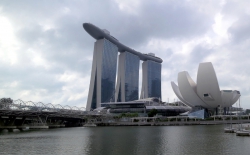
pixel 6 104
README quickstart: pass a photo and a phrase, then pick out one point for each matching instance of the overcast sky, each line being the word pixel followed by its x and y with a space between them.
pixel 45 54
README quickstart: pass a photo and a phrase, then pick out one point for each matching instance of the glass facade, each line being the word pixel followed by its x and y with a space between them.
pixel 132 64
pixel 103 76
pixel 154 79
pixel 109 63
pixel 199 114
pixel 125 107
pixel 94 97
pixel 119 94
pixel 169 112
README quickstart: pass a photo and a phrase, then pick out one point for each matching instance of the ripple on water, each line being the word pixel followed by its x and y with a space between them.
pixel 144 140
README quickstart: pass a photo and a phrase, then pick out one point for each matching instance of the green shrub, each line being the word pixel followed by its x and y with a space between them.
pixel 152 113
pixel 128 115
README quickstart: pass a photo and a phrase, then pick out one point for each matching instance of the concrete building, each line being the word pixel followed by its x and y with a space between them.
pixel 103 74
pixel 205 95
pixel 128 78
pixel 151 79
pixel 142 107
pixel 102 83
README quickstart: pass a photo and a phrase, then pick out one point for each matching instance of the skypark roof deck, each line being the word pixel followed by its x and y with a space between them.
pixel 98 33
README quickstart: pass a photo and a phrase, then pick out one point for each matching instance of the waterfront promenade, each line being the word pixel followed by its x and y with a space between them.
pixel 165 121
pixel 28 115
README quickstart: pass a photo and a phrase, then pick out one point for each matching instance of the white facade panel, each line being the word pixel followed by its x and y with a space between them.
pixel 207 92
pixel 178 94
pixel 188 90
pixel 236 96
pixel 103 73
pixel 120 78
pixel 144 87
pixel 94 71
pixel 207 85
pixel 227 98
pixel 127 86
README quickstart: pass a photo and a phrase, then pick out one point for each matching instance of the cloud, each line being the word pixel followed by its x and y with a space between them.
pixel 45 54
pixel 240 30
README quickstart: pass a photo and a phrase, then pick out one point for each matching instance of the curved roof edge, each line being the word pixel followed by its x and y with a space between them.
pixel 178 94
pixel 207 83
pixel 97 33
pixel 227 97
pixel 187 88
pixel 236 96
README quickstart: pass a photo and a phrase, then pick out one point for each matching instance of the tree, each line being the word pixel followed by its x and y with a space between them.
pixel 152 113
pixel 5 102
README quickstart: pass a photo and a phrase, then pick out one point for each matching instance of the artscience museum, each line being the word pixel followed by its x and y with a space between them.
pixel 204 95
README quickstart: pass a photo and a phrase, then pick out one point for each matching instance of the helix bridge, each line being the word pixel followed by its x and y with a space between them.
pixel 29 108
pixel 19 114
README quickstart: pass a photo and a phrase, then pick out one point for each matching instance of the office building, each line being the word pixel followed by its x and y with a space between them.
pixel 103 74
pixel 151 79
pixel 128 77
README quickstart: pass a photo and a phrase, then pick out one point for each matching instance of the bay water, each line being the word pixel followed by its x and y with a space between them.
pixel 127 140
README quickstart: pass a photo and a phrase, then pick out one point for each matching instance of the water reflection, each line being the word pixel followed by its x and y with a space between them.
pixel 125 140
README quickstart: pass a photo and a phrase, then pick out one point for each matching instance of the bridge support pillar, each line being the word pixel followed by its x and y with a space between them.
pixel 10 121
pixel 10 130
pixel 1 122
pixel 56 123
pixel 19 123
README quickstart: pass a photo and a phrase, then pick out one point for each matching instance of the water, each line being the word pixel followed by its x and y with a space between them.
pixel 144 140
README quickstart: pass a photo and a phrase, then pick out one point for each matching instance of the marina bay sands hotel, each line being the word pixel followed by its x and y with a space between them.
pixel 104 87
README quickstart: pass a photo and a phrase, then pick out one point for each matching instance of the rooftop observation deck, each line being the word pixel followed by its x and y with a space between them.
pixel 98 33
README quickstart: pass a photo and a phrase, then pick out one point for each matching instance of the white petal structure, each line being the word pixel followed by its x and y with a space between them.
pixel 187 88
pixel 178 94
pixel 236 96
pixel 207 85
pixel 229 97
pixel 206 93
